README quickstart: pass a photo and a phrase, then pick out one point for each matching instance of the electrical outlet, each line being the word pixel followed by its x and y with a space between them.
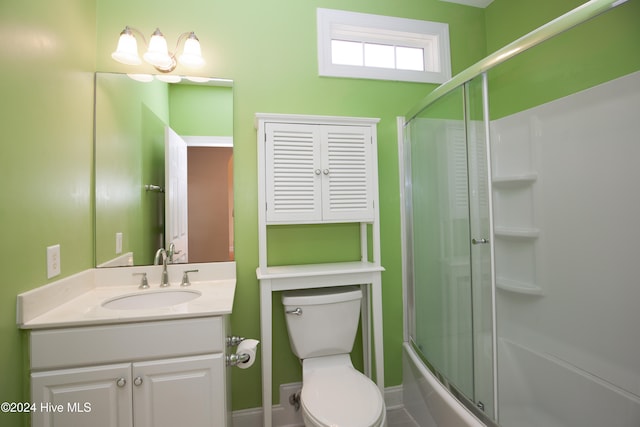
pixel 118 243
pixel 53 261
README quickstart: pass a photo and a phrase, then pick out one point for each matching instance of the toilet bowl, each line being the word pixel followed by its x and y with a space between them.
pixel 335 394
pixel 322 325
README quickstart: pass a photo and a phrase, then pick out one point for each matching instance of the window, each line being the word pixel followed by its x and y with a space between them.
pixel 361 45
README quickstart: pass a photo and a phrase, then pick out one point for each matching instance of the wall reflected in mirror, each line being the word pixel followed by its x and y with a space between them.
pixel 135 192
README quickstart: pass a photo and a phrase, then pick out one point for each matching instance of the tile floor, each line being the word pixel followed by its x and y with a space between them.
pixel 400 418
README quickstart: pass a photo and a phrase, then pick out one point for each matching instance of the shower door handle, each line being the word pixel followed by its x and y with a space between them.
pixel 479 241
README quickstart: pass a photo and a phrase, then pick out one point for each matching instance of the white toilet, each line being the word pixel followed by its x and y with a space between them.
pixel 322 325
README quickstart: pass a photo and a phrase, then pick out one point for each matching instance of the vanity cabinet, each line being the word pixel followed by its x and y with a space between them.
pixel 318 172
pixel 151 374
pixel 106 389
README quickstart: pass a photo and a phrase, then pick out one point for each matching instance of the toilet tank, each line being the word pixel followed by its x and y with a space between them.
pixel 322 321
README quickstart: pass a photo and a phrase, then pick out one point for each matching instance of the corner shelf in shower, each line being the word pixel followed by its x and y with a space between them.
pixel 512 181
pixel 516 232
pixel 518 287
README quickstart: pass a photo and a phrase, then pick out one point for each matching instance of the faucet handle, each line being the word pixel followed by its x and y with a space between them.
pixel 185 277
pixel 144 283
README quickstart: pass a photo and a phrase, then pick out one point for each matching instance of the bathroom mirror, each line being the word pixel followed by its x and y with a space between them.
pixel 138 197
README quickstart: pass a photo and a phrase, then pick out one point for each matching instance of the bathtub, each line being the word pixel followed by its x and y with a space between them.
pixel 426 399
pixel 536 389
pixel 539 390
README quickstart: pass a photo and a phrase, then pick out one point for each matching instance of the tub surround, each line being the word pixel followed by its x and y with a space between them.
pixel 77 300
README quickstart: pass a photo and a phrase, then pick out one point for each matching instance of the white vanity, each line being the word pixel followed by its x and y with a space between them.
pixel 141 366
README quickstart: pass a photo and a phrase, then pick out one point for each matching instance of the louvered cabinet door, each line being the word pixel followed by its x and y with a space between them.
pixel 293 181
pixel 347 176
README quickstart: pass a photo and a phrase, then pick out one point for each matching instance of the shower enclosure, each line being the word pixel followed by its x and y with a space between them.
pixel 521 207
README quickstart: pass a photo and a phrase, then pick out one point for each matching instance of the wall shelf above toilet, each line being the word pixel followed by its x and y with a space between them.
pixel 320 170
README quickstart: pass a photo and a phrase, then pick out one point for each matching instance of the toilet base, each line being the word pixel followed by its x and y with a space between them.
pixel 335 394
pixel 308 422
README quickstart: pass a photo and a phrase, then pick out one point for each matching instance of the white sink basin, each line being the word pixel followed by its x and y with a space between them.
pixel 151 299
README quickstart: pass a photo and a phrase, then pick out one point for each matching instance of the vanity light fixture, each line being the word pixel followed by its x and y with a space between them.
pixel 157 53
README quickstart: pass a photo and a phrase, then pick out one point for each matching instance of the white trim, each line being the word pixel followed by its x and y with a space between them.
pixel 304 119
pixel 208 141
pixel 393 397
pixel 432 36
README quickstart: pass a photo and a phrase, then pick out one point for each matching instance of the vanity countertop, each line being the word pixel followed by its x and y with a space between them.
pixel 77 300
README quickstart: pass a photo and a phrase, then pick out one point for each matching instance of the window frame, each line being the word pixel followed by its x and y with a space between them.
pixel 433 37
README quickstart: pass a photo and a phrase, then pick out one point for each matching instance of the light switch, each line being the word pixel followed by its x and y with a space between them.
pixel 53 261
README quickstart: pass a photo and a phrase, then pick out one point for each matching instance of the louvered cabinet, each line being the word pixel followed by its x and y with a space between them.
pixel 318 173
pixel 317 170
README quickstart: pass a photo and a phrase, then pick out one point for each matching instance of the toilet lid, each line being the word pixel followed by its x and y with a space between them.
pixel 342 397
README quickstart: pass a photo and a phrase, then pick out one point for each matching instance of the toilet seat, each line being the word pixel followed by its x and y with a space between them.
pixel 337 395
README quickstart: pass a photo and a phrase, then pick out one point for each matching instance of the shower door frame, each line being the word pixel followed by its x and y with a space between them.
pixel 407 259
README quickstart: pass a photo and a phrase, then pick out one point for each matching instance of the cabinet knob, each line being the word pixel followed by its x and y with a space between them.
pixel 137 381
pixel 325 171
pixel 121 382
pixel 317 171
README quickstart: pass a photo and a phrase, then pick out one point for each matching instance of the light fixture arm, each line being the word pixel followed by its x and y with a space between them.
pixel 172 55
pixel 182 37
pixel 129 30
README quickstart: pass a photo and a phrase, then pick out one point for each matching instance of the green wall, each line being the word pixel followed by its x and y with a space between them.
pixel 597 51
pixel 50 50
pixel 269 50
pixel 46 117
pixel 199 110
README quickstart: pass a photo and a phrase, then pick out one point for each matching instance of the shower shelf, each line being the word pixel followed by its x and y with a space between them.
pixel 516 232
pixel 514 180
pixel 518 287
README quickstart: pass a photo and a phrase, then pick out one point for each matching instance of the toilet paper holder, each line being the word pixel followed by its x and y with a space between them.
pixel 236 358
pixel 246 352
pixel 233 340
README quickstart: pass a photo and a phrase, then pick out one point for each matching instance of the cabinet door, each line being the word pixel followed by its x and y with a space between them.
pixel 347 171
pixel 293 181
pixel 188 391
pixel 95 396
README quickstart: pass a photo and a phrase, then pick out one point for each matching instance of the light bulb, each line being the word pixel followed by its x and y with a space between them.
pixel 127 50
pixel 157 54
pixel 192 54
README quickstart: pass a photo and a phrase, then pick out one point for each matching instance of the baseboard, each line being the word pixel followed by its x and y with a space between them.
pixel 393 397
pixel 285 415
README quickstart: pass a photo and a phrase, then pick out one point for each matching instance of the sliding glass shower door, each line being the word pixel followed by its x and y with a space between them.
pixel 450 250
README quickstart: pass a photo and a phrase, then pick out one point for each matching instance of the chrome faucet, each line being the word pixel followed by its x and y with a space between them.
pixel 164 281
